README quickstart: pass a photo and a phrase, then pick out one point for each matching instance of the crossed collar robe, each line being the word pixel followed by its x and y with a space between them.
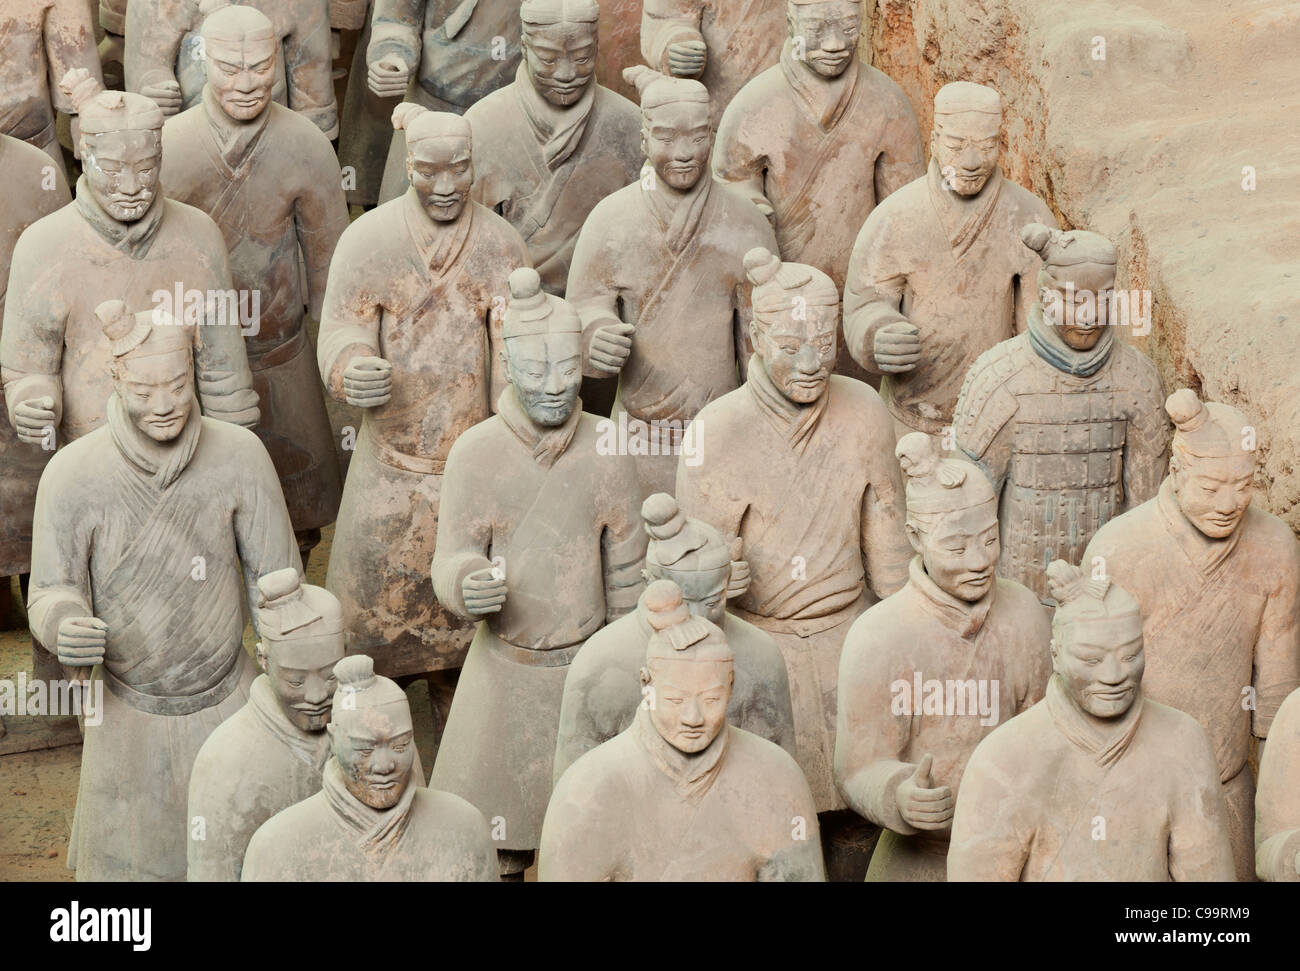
pixel 923 635
pixel 419 294
pixel 562 522
pixel 816 496
pixel 151 540
pixel 1054 795
pixel 1220 626
pixel 273 188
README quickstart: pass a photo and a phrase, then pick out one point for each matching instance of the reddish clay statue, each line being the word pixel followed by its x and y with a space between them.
pixel 541 542
pixel 1065 418
pixel 1094 783
pixel 930 671
pixel 1218 580
pixel 141 530
pixel 681 795
pixel 1277 803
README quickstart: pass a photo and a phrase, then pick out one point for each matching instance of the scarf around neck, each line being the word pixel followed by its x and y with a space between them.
pixel 1047 344
pixel 963 220
pixel 1106 740
pixel 691 775
pixel 311 748
pixel 963 618
pixel 1206 553
pixel 677 213
pixel 376 831
pixel 795 423
pixel 164 462
pixel 557 130
pixel 133 239
pixel 439 244
pixel 545 444
pixel 235 140
pixel 826 99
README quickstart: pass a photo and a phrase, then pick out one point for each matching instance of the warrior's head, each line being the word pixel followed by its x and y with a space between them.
pixel 689 669
pixel 371 734
pixel 439 159
pixel 827 33
pixel 967 135
pixel 240 48
pixel 301 629
pixel 1212 468
pixel 796 318
pixel 1076 282
pixel 152 368
pixel 559 43
pixel 121 145
pixel 691 553
pixel 675 133
pixel 952 518
pixel 1096 641
pixel 543 350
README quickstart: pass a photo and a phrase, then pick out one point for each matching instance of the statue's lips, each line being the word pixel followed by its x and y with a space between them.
pixel 384 785
pixel 1113 694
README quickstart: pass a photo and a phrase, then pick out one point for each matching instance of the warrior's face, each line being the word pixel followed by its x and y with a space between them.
pixel 690 699
pixel 560 60
pixel 375 748
pixel 829 31
pixel 1100 663
pixel 121 170
pixel 799 354
pixel 960 553
pixel 1214 493
pixel 703 591
pixel 241 74
pixel 546 371
pixel 441 172
pixel 1080 308
pixel 676 139
pixel 301 673
pixel 157 390
pixel 965 147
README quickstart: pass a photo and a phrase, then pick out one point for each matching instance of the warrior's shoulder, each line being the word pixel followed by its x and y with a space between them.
pixel 183 222
pixel 1017 744
pixel 756 94
pixel 899 208
pixel 1269 532
pixel 81 464
pixel 493 232
pixel 860 399
pixel 733 410
pixel 987 399
pixel 1026 203
pixel 448 811
pixel 484 438
pixel 228 439
pixel 762 759
pixel 617 109
pixel 1132 368
pixel 51 231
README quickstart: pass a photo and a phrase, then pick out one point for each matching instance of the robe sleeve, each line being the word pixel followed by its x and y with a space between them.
pixel 61 545
pixel 623 541
pixel 225 381
pixel 885 549
pixel 154 29
pixel 35 319
pixel 902 156
pixel 1199 849
pixel 320 216
pixel 351 311
pixel 69 43
pixel 668 22
pixel 592 288
pixel 395 28
pixel 800 860
pixel 737 162
pixel 873 289
pixel 1146 447
pixel 580 833
pixel 308 69
pixel 263 533
pixel 1277 647
pixel 216 858
pixel 700 494
pixel 464 537
pixel 990 842
pixel 348 14
pixel 1277 802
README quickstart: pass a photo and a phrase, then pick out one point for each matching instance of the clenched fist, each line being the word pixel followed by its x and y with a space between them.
pixel 165 94
pixel 922 804
pixel 897 347
pixel 611 346
pixel 81 641
pixel 34 421
pixel 388 77
pixel 368 382
pixel 687 59
pixel 484 591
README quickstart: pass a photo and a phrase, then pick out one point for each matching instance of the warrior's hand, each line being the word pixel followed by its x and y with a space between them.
pixel 165 94
pixel 922 804
pixel 81 641
pixel 388 77
pixel 739 582
pixel 897 347
pixel 484 591
pixel 611 345
pixel 687 59
pixel 34 420
pixel 368 382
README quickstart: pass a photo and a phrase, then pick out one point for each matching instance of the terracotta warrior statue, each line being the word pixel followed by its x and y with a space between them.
pixel 800 464
pixel 142 529
pixel 371 820
pixel 601 693
pixel 680 795
pixel 271 181
pixel 722 43
pixel 40 42
pixel 1094 783
pixel 818 139
pixel 268 755
pixel 165 56
pixel 1277 803
pixel 553 143
pixel 443 54
pixel 1218 580
pixel 36 189
pixel 539 541
pixel 930 671
pixel 120 237
pixel 1064 418
pixel 409 335
pixel 938 274
pixel 659 278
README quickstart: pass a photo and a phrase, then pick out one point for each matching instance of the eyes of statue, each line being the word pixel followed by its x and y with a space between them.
pixel 955 144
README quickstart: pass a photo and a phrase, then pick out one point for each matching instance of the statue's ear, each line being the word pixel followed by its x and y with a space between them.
pixel 644 676
pixel 261 656
pixel 913 537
